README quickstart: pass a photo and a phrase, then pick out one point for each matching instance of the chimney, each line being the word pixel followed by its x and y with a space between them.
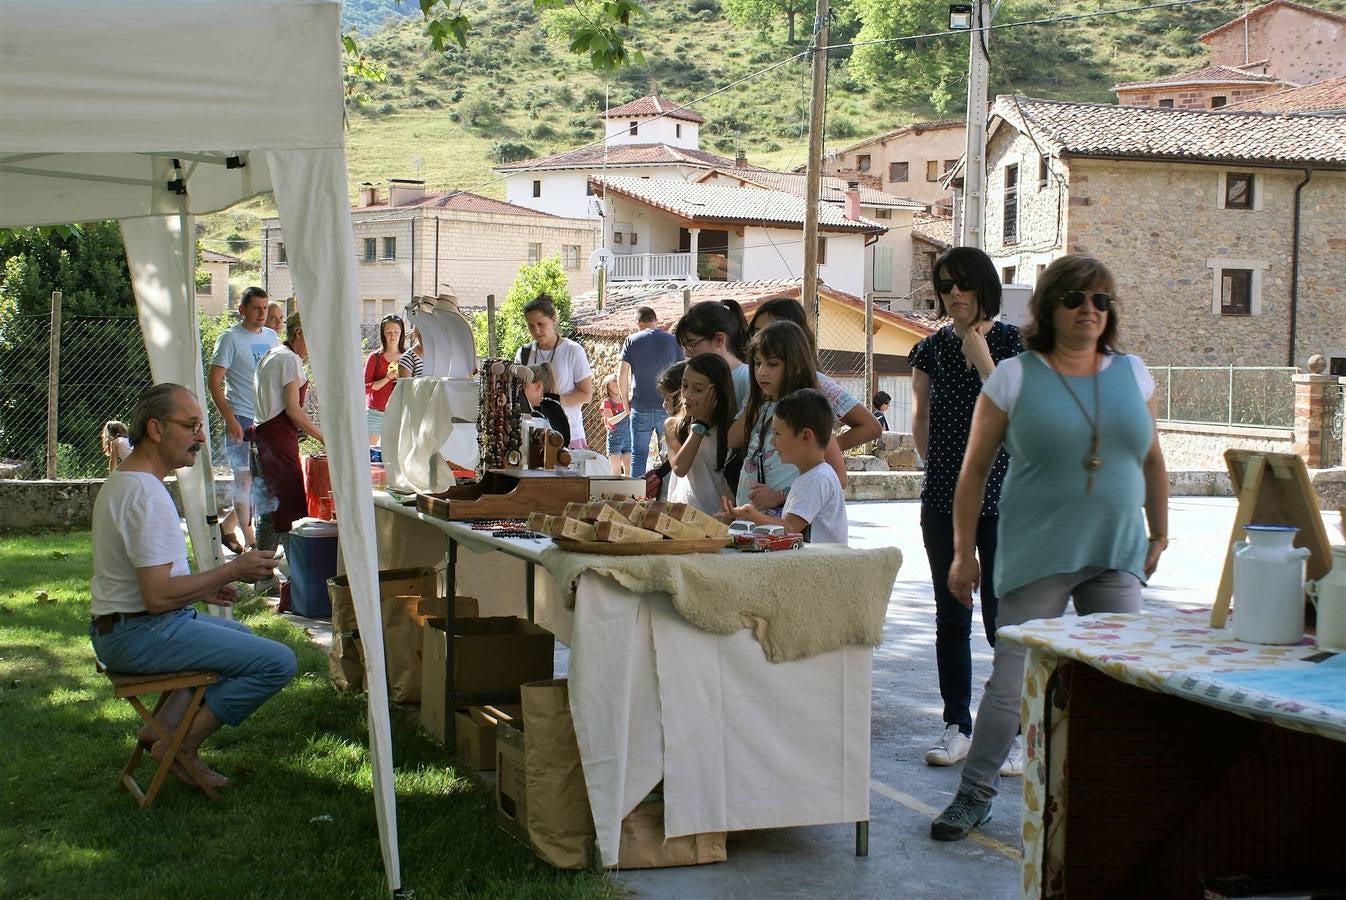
pixel 369 194
pixel 740 158
pixel 853 200
pixel 404 191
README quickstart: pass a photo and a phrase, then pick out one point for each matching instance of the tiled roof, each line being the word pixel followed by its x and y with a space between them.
pixel 1142 132
pixel 618 314
pixel 1324 97
pixel 934 230
pixel 1208 75
pixel 621 155
pixel 653 105
pixel 1268 7
pixel 833 189
pixel 695 202
pixel 913 128
pixel 211 256
pixel 458 200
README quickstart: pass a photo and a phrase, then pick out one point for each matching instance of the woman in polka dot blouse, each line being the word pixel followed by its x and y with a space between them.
pixel 948 369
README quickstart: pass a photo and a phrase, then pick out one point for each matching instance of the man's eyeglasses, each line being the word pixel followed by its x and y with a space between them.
pixel 946 285
pixel 193 427
pixel 1101 300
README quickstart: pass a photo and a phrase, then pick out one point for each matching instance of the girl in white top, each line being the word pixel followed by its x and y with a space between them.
pixel 703 434
pixel 570 365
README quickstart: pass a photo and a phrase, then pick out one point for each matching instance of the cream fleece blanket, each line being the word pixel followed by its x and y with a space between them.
pixel 799 603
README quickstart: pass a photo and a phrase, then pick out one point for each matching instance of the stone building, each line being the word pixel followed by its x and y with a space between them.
pixel 1296 43
pixel 1326 98
pixel 909 161
pixel 213 294
pixel 411 242
pixel 1225 230
pixel 930 236
pixel 1208 88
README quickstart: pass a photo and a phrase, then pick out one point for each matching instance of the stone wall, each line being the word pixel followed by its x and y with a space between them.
pixel 1197 447
pixel 1195 96
pixel 1043 209
pixel 47 505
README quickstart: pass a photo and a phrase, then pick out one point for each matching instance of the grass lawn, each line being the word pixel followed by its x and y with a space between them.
pixel 298 819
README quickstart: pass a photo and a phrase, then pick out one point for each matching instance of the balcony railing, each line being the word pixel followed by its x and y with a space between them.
pixel 652 267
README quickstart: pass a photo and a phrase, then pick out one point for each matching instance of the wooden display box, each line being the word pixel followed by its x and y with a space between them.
pixel 475 734
pixel 507 494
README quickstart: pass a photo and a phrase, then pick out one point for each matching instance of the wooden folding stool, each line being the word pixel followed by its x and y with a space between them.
pixel 131 688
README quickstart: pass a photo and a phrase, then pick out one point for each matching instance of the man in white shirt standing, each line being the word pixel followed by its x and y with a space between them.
pixel 233 363
pixel 144 595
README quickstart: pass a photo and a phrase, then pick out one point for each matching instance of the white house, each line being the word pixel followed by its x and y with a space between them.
pixel 646 138
pixel 686 232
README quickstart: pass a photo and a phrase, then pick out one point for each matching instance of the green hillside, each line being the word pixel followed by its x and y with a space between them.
pixel 516 90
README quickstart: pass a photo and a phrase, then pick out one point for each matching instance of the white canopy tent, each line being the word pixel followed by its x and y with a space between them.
pixel 152 112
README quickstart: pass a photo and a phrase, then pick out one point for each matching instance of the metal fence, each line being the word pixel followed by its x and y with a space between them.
pixel 102 368
pixel 1251 397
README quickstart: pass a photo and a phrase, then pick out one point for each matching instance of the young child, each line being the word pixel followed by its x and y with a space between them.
pixel 669 386
pixel 617 420
pixel 703 434
pixel 881 401
pixel 116 443
pixel 782 362
pixel 802 426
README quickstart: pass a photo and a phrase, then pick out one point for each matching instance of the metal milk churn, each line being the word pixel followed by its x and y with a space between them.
pixel 1269 586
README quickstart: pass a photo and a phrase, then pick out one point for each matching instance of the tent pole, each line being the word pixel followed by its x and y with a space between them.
pixel 215 556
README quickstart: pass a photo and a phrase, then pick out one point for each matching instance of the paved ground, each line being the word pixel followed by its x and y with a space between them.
pixel 905 793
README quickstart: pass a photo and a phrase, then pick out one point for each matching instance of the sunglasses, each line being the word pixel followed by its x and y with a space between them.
pixel 945 285
pixel 1101 300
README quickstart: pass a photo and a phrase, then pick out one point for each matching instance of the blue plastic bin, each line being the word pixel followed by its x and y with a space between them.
pixel 313 560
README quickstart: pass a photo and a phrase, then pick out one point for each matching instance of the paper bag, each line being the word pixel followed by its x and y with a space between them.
pixel 402 636
pixel 644 845
pixel 560 824
pixel 346 659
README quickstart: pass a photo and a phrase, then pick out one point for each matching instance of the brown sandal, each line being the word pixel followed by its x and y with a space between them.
pixel 230 541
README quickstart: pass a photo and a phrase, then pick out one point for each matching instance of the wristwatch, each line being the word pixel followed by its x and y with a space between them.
pixel 700 428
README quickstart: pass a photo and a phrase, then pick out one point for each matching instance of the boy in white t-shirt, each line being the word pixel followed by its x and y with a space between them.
pixel 801 427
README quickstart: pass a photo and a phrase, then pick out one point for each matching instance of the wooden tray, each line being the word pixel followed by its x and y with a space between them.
pixel 642 548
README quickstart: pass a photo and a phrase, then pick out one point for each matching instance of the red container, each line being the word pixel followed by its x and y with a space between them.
pixel 317 486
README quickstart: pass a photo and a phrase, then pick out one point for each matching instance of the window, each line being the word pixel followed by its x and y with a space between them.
pixel 1165 104
pixel 617 237
pixel 634 238
pixel 822 251
pixel 932 170
pixel 589 189
pixel 897 172
pixel 534 253
pixel 204 282
pixel 677 130
pixel 1009 232
pixel 883 213
pixel 633 128
pixel 1042 267
pixel 949 164
pixel 883 268
pixel 281 258
pixel 537 187
pixel 1236 292
pixel 1238 190
pixel 1044 172
pixel 863 162
pixel 1007 274
pixel 570 256
pixel 390 248
pixel 371 249
pixel 1217 102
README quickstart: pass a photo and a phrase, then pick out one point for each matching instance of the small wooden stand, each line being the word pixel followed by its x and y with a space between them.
pixel 507 494
pixel 1273 489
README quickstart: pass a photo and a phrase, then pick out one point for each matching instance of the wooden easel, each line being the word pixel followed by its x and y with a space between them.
pixel 1273 489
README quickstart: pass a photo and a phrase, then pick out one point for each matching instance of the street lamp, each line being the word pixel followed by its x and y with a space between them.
pixel 960 17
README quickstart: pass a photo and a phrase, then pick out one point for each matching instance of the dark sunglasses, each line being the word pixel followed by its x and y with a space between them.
pixel 1101 300
pixel 945 285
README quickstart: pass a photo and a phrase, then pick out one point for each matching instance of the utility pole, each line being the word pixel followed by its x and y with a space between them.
pixel 809 295
pixel 972 232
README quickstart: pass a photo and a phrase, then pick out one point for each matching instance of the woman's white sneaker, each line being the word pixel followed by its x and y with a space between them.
pixel 952 747
pixel 1014 761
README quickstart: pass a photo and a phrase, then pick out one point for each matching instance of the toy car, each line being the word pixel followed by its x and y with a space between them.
pixel 739 526
pixel 765 538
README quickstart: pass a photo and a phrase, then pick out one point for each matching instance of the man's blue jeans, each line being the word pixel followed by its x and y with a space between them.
pixel 643 422
pixel 252 669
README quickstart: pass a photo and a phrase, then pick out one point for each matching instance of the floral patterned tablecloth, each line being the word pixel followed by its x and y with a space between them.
pixel 1167 651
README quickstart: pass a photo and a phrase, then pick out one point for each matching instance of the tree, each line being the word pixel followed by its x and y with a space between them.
pixel 542 278
pixel 761 14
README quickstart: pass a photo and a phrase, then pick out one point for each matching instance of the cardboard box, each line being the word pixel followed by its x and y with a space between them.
pixel 511 800
pixel 474 733
pixel 492 658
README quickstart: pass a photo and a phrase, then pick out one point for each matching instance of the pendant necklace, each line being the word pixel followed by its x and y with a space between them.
pixel 1091 461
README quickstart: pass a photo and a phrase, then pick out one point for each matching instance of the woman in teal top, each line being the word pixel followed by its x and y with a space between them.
pixel 1077 418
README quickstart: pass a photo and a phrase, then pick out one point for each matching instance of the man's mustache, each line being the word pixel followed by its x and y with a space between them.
pixel 195 448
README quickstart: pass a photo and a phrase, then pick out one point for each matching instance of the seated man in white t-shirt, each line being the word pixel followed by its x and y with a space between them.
pixel 815 505
pixel 144 594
